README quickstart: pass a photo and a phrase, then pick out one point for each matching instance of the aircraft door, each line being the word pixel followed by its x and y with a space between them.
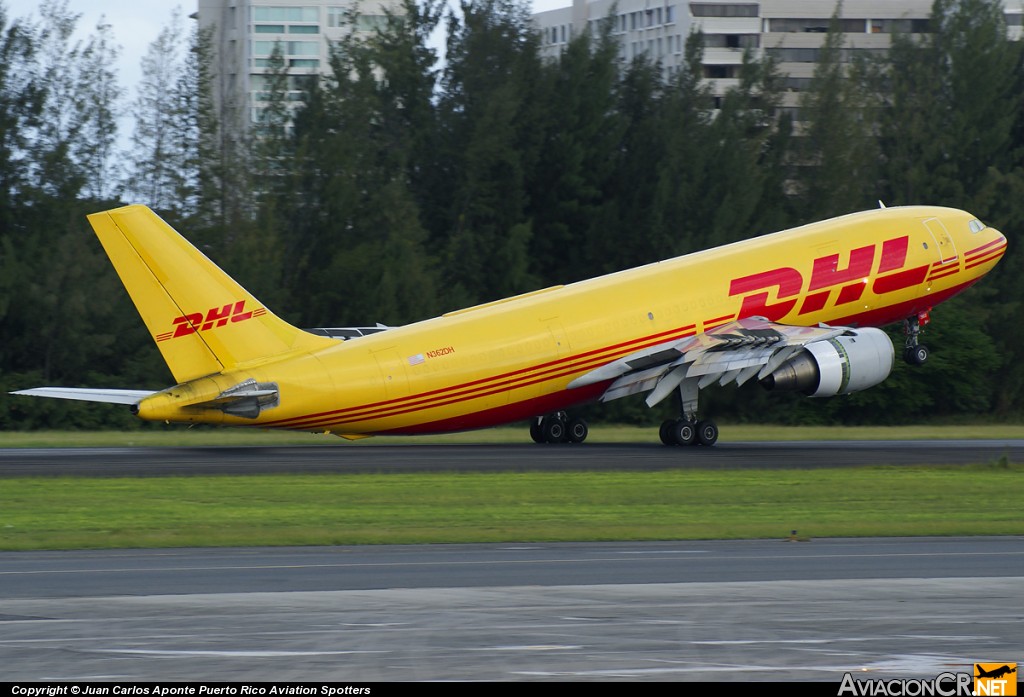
pixel 552 344
pixel 392 371
pixel 559 340
pixel 946 250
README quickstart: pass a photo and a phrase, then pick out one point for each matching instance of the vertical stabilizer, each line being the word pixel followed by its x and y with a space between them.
pixel 203 322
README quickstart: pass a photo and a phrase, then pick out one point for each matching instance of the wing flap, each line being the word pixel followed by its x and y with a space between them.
pixel 734 352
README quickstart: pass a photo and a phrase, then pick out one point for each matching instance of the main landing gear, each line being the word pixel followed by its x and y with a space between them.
pixel 687 430
pixel 558 428
pixel 914 352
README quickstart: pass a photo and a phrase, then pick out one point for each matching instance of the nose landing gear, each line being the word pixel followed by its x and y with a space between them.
pixel 914 352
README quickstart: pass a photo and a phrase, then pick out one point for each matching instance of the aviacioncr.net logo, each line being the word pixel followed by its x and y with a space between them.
pixel 995 679
pixel 942 685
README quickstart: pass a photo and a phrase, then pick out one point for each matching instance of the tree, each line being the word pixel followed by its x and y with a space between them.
pixel 950 98
pixel 837 153
pixel 160 170
pixel 357 241
pixel 581 132
pixel 21 100
pixel 98 84
pixel 489 121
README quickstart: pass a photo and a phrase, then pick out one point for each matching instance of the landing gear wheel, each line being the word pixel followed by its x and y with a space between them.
pixel 707 433
pixel 537 430
pixel 554 429
pixel 684 432
pixel 916 355
pixel 665 432
pixel 578 430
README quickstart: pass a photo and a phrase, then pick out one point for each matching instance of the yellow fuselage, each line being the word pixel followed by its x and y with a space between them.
pixel 512 359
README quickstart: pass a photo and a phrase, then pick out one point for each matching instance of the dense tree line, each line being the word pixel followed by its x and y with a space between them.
pixel 405 186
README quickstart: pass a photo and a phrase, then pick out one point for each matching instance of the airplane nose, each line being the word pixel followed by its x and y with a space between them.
pixel 988 248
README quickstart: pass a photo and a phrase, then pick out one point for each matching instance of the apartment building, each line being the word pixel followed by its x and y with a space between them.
pixel 245 33
pixel 790 31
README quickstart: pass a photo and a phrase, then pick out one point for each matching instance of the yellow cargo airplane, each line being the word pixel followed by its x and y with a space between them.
pixel 797 309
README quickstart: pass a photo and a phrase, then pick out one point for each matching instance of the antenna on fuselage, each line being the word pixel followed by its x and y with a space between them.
pixel 880 204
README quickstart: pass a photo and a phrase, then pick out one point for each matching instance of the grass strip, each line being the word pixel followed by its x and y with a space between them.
pixel 180 436
pixel 503 507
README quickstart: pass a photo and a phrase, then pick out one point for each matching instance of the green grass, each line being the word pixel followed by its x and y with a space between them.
pixel 38 513
pixel 185 437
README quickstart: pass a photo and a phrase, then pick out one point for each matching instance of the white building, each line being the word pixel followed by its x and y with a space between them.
pixel 245 33
pixel 791 31
pixel 657 29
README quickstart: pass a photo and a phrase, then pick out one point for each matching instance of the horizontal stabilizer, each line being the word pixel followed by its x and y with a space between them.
pixel 87 394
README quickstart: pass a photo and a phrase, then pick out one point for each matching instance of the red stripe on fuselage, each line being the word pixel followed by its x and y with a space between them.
pixel 978 250
pixel 895 313
pixel 517 411
pixel 368 412
pixel 562 367
pixel 614 352
pixel 405 409
pixel 987 257
pixel 565 399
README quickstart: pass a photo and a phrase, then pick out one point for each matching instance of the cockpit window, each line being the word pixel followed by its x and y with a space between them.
pixel 976 225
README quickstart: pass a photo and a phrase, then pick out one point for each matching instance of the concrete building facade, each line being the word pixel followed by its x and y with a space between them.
pixel 245 32
pixel 790 31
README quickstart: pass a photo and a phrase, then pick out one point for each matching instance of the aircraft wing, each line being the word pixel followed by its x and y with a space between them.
pixel 87 394
pixel 734 352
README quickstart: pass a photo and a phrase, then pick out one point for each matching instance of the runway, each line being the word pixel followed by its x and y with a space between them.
pixel 735 610
pixel 349 458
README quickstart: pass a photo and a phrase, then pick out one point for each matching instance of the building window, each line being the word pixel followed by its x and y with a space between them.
pixel 270 29
pixel 717 72
pixel 899 26
pixel 286 14
pixel 817 25
pixel 338 16
pixel 1014 19
pixel 303 63
pixel 371 22
pixel 732 40
pixel 304 29
pixel 794 55
pixel 723 10
pixel 670 14
pixel 289 48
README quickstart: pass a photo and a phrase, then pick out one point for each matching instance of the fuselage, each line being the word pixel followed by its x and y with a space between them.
pixel 513 359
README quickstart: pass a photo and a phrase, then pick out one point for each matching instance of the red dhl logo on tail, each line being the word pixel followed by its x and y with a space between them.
pixel 825 276
pixel 214 317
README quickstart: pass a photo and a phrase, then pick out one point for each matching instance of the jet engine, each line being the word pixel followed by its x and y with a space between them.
pixel 857 360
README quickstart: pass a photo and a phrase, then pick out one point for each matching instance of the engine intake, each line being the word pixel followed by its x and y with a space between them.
pixel 855 361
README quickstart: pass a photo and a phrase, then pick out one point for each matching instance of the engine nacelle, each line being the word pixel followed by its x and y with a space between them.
pixel 855 361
